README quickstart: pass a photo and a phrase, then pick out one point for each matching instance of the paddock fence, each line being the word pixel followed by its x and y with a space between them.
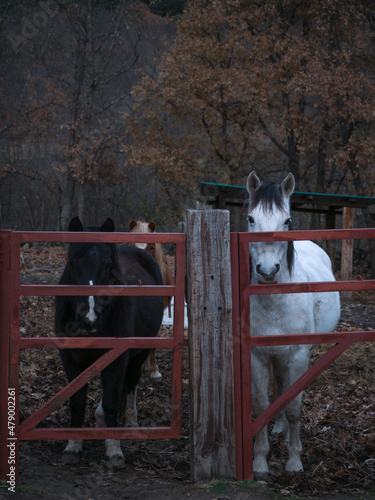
pixel 215 264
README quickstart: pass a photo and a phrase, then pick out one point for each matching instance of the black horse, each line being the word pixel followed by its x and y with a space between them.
pixel 109 316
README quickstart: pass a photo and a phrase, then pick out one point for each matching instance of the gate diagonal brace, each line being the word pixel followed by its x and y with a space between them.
pixel 299 385
pixel 74 386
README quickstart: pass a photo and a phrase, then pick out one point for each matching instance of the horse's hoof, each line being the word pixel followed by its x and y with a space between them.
pixel 156 376
pixel 70 457
pixel 132 424
pixel 117 462
pixel 293 466
pixel 261 477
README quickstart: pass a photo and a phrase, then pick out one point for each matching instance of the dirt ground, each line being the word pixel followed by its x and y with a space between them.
pixel 337 431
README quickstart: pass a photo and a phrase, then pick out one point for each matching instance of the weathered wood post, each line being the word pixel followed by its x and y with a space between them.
pixel 209 298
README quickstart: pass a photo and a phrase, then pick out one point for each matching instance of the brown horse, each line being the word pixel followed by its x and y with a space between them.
pixel 155 249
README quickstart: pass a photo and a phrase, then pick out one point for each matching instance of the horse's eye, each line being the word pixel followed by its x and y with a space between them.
pixel 288 221
pixel 250 219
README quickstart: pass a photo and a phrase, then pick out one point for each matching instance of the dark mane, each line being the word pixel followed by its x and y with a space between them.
pixel 268 194
pixel 76 250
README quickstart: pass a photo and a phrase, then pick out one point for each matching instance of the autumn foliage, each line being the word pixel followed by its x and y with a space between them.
pixel 269 85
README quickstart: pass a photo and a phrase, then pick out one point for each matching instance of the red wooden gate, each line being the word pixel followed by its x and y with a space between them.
pixel 11 290
pixel 246 429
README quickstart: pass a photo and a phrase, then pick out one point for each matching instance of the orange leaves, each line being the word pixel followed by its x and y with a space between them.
pixel 265 82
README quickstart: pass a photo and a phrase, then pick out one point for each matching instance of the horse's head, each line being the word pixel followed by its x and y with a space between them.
pixel 137 226
pixel 269 210
pixel 91 264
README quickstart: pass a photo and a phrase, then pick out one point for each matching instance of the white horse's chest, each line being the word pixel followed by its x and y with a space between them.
pixel 281 315
pixel 299 312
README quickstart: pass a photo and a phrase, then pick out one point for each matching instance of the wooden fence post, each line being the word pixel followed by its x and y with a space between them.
pixel 209 298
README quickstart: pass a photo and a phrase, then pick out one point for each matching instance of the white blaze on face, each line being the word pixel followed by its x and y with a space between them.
pixel 141 245
pixel 91 316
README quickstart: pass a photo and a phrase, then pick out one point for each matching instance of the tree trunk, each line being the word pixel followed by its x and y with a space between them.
pixel 66 201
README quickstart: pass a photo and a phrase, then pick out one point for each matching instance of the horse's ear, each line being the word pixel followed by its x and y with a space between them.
pixel 108 226
pixel 152 226
pixel 288 185
pixel 253 182
pixel 75 224
pixel 132 224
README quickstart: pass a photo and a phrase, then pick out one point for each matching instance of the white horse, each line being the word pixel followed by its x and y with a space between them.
pixel 283 262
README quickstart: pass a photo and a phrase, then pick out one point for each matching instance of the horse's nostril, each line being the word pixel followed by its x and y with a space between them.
pixel 90 323
pixel 86 321
pixel 267 273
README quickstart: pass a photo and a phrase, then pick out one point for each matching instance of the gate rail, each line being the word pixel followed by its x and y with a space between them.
pixel 242 292
pixel 11 431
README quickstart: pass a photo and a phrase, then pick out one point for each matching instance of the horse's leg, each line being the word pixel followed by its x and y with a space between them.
pixel 150 366
pixel 73 450
pixel 113 455
pixel 106 413
pixel 281 424
pixel 297 366
pixel 153 366
pixel 133 374
pixel 260 400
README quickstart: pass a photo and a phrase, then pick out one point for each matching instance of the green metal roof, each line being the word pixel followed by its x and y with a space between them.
pixel 235 195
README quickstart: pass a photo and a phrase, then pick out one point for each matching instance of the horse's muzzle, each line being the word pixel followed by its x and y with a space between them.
pixel 267 278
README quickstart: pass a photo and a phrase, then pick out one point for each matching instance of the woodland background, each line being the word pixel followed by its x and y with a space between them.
pixel 121 108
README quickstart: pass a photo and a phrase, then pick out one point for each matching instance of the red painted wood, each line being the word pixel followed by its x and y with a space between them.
pixel 343 340
pixel 96 342
pixel 14 312
pixel 313 235
pixel 178 328
pixel 100 433
pixel 116 345
pixel 130 290
pixel 236 325
pixel 4 350
pixel 312 286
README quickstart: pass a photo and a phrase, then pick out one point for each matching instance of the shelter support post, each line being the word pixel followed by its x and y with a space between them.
pixel 209 296
pixel 331 224
pixel 347 249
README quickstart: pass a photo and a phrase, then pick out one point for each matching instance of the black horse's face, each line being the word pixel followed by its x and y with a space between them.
pixel 93 265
